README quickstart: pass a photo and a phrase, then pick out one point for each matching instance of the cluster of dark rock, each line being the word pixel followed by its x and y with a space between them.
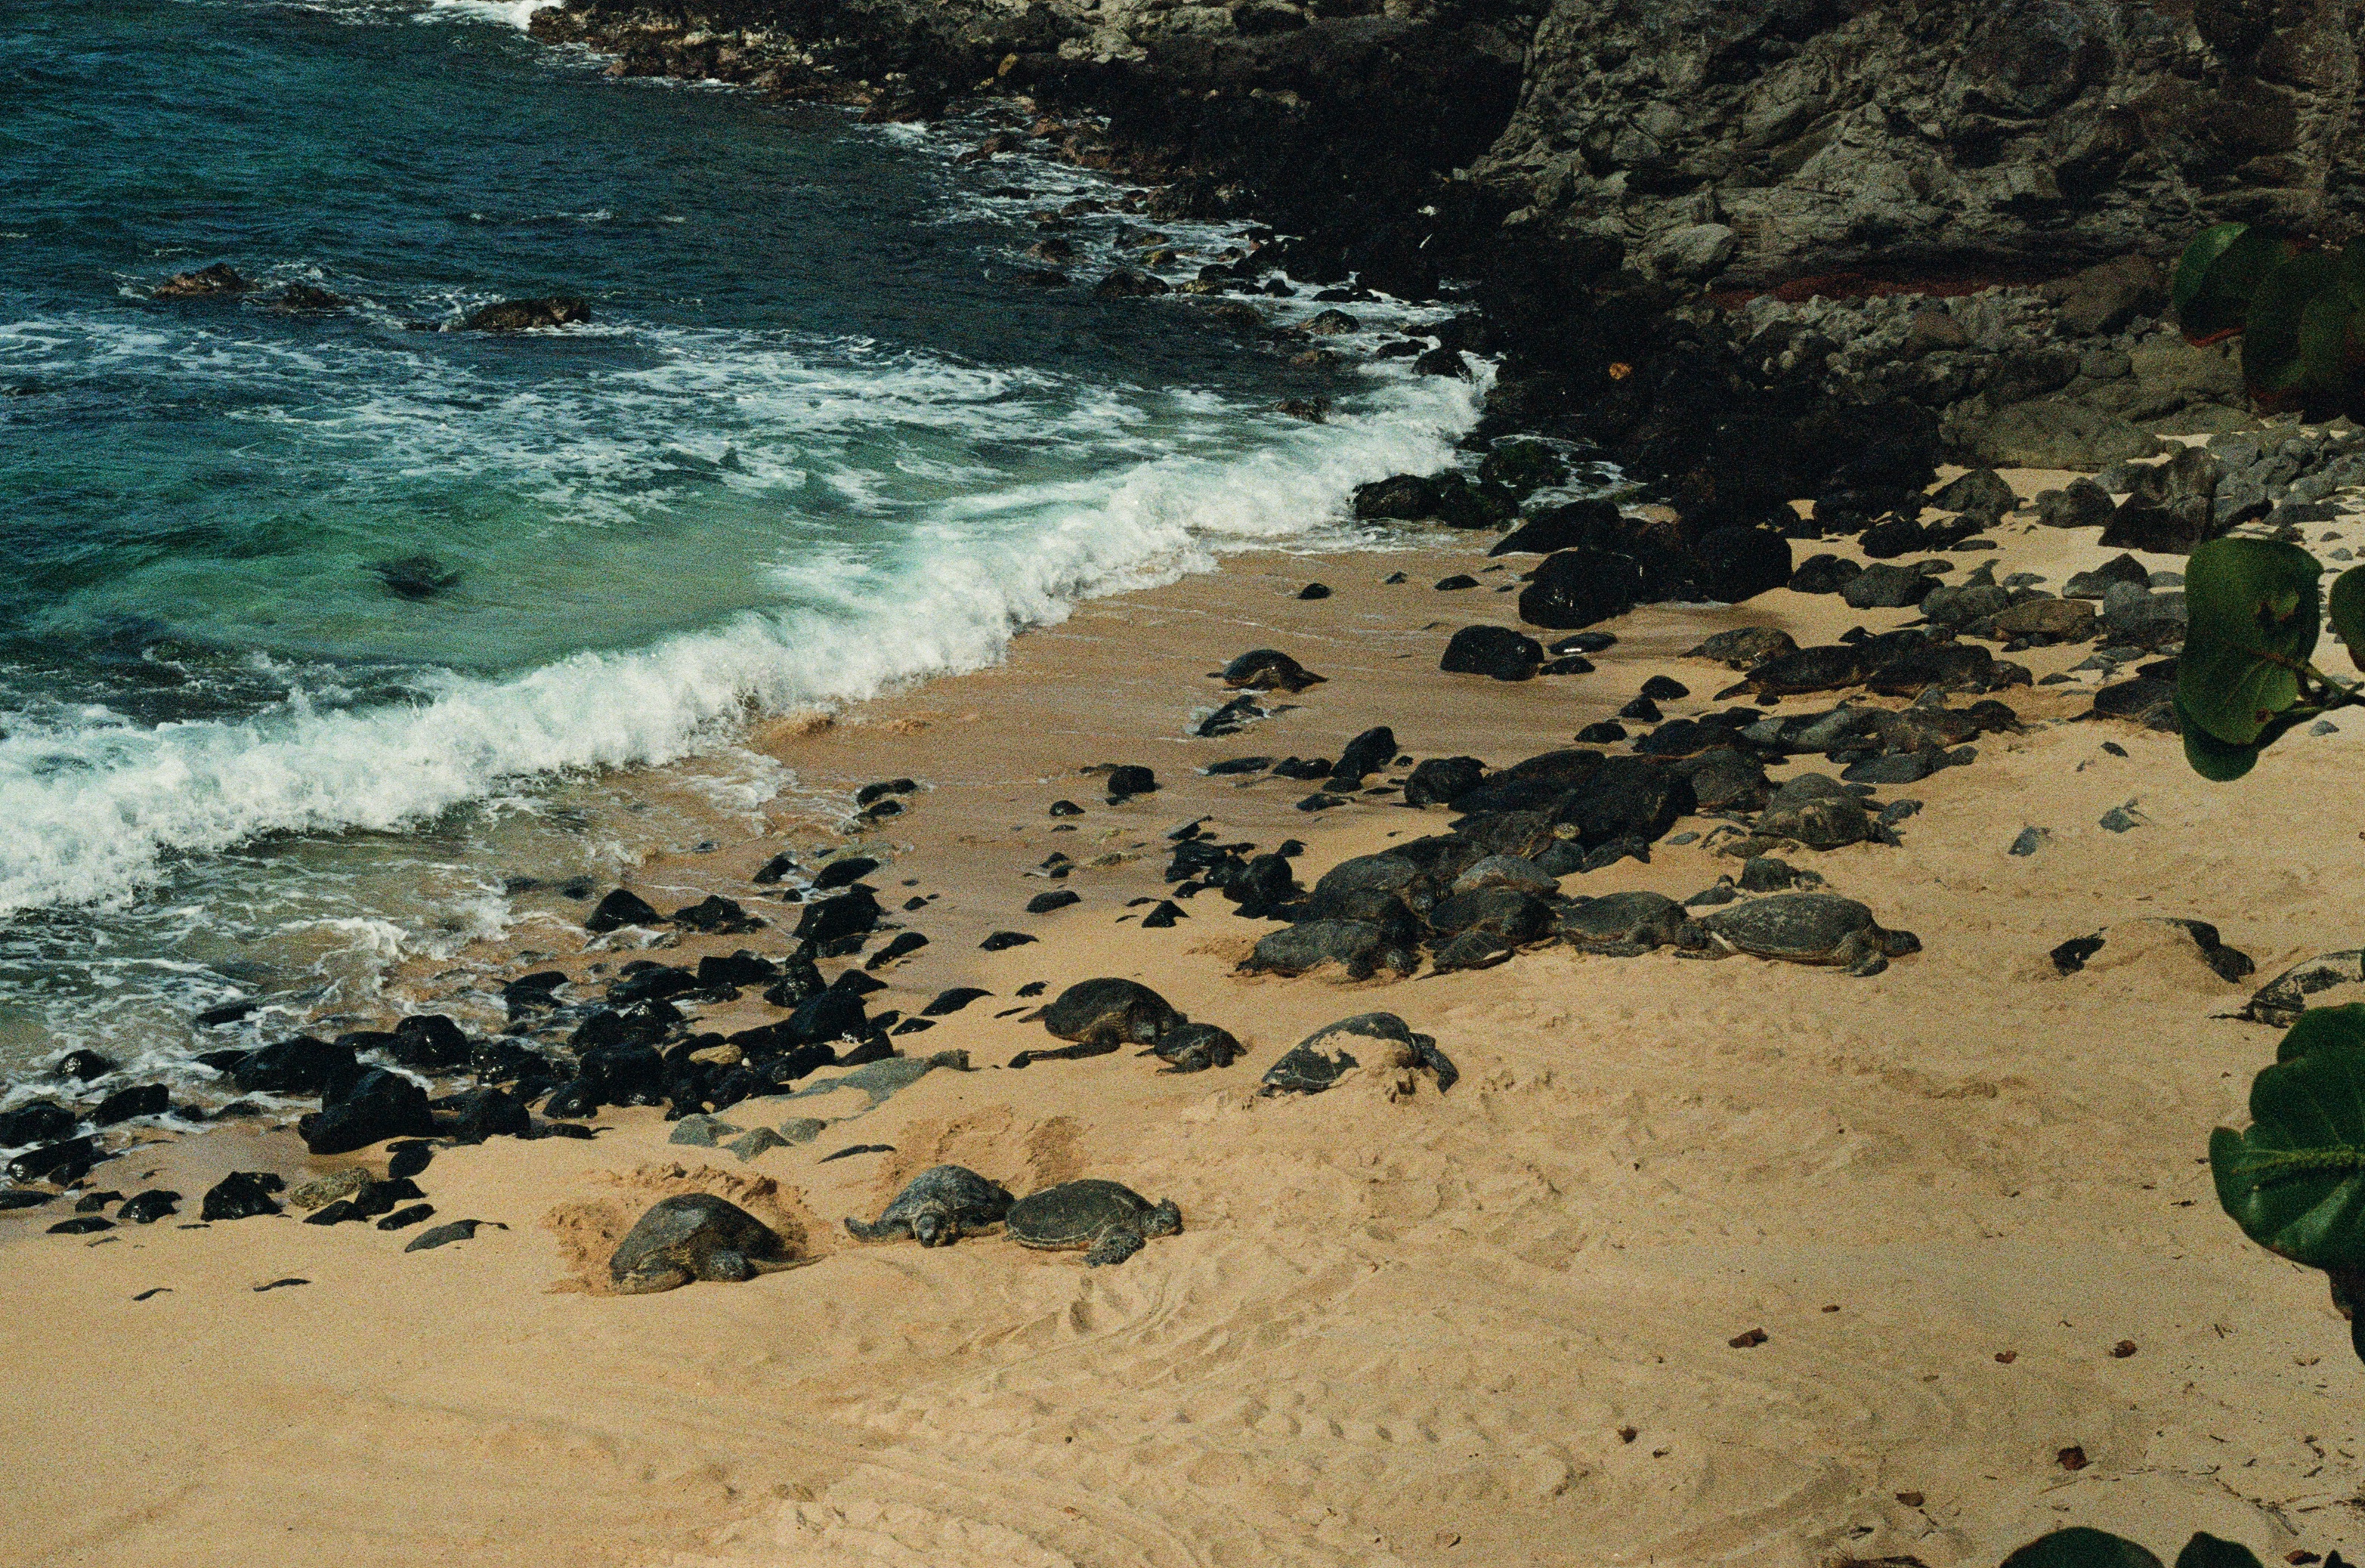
pixel 221 282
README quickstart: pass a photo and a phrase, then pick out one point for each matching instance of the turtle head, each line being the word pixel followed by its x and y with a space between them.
pixel 1163 1220
pixel 1897 944
pixel 1147 1023
pixel 933 1226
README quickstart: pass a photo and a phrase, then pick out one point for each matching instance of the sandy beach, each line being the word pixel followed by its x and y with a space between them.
pixel 1509 1323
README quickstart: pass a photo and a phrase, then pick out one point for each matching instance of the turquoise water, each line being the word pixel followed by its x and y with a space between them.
pixel 814 442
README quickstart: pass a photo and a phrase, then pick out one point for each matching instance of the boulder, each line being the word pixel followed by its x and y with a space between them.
pixel 379 1105
pixel 2106 297
pixel 2172 507
pixel 298 1066
pixel 1736 563
pixel 1882 586
pixel 1495 651
pixel 621 909
pixel 1589 523
pixel 242 1194
pixel 1580 587
pixel 206 282
pixel 850 913
pixel 2081 504
pixel 1825 574
pixel 2055 433
pixel 1439 778
pixel 524 315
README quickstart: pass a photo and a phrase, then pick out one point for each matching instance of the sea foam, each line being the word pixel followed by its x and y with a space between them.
pixel 95 808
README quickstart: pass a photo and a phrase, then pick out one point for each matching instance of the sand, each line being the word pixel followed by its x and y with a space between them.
pixel 1485 1327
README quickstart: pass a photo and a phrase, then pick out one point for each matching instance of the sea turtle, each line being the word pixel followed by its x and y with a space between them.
pixel 1267 669
pixel 695 1236
pixel 1321 1058
pixel 1806 928
pixel 1109 1013
pixel 1110 1221
pixel 1195 1047
pixel 1621 924
pixel 939 1207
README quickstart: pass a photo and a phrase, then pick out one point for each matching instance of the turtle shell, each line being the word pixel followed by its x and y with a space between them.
pixel 1121 1010
pixel 684 1236
pixel 952 1190
pixel 1802 928
pixel 1321 1058
pixel 1074 1213
pixel 1623 921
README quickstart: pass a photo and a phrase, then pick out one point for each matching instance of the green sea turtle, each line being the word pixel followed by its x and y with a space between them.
pixel 1324 1057
pixel 1195 1047
pixel 695 1236
pixel 1108 1220
pixel 1110 1013
pixel 1621 924
pixel 1806 928
pixel 939 1207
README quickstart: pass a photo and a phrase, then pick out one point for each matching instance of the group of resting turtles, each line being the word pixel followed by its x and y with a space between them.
pixel 700 1236
pixel 696 1236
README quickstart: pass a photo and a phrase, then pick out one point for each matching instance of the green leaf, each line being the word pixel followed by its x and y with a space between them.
pixel 2220 762
pixel 2253 618
pixel 2206 1551
pixel 2323 342
pixel 2295 1181
pixel 2352 276
pixel 2271 342
pixel 2323 1029
pixel 2082 1548
pixel 2346 605
pixel 2218 274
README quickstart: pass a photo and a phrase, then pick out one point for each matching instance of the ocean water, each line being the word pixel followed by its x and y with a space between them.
pixel 814 442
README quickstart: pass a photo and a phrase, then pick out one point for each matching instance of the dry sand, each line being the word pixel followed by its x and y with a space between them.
pixel 1487 1326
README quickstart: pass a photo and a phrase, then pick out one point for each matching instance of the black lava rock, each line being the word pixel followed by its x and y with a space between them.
pixel 242 1194
pixel 298 1066
pixel 1439 778
pixel 1493 651
pixel 850 913
pixel 379 1105
pixel 1373 749
pixel 148 1100
pixel 621 909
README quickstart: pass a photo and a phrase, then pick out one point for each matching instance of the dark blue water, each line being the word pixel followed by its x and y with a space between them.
pixel 813 441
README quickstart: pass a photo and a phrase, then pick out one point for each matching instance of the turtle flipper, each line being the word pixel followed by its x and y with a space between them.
pixel 862 1231
pixel 1113 1244
pixel 1426 1054
pixel 648 1282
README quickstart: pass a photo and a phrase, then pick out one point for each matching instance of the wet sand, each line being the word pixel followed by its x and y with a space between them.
pixel 1487 1327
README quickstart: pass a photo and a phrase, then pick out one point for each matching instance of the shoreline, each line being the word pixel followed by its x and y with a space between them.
pixel 1647 1155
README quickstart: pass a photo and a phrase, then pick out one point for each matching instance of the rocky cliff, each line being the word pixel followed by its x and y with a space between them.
pixel 1750 141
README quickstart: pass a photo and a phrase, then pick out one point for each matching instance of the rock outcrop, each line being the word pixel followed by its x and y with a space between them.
pixel 1758 142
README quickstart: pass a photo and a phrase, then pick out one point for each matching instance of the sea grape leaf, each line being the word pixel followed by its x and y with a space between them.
pixel 2346 605
pixel 2352 276
pixel 2323 1028
pixel 2079 1547
pixel 2323 342
pixel 2219 272
pixel 2270 331
pixel 2206 1551
pixel 2220 762
pixel 2295 1181
pixel 2253 615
